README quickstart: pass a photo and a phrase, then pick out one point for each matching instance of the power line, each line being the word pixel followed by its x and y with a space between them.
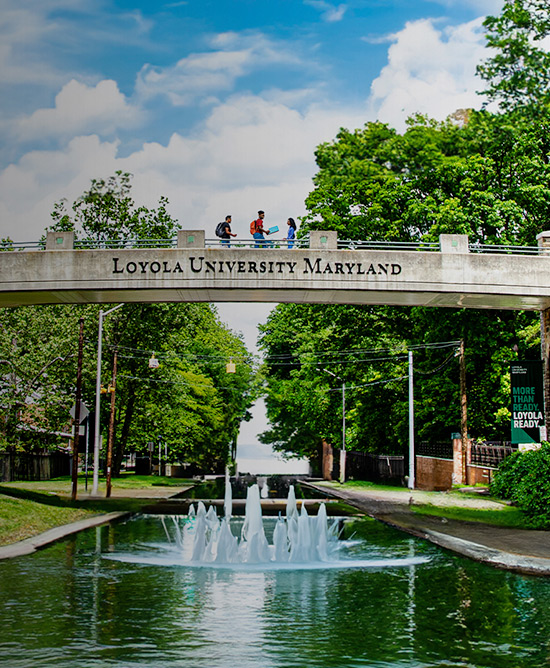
pixel 290 359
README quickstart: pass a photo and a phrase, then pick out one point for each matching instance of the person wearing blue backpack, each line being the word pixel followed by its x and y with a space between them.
pixel 223 230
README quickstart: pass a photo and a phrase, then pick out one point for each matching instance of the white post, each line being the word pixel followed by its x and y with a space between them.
pixel 343 450
pixel 411 422
pixel 97 440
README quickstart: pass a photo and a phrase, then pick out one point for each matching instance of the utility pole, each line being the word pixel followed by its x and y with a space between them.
pixel 463 412
pixel 412 456
pixel 112 390
pixel 97 429
pixel 76 421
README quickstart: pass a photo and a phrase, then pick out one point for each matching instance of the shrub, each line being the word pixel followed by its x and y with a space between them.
pixel 524 479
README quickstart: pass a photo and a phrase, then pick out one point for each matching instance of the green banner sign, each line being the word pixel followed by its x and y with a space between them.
pixel 527 402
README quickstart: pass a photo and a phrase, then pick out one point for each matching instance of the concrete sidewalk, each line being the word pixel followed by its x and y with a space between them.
pixel 30 545
pixel 521 550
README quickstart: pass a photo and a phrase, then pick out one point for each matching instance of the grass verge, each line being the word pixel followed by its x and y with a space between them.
pixel 22 518
pixel 27 512
pixel 63 484
pixel 509 516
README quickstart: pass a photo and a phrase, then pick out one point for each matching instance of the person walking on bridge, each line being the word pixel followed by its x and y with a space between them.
pixel 259 230
pixel 291 236
pixel 226 232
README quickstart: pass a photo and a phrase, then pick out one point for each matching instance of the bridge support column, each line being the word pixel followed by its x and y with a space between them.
pixel 190 238
pixel 60 240
pixel 544 242
pixel 323 240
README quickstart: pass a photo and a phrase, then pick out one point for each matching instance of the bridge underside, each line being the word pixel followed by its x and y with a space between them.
pixel 274 295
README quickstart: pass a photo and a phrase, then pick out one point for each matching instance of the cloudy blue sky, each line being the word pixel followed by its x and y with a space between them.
pixel 216 104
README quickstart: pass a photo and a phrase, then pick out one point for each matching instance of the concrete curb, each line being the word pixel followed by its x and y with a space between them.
pixel 34 543
pixel 488 555
pixel 509 561
pixel 399 516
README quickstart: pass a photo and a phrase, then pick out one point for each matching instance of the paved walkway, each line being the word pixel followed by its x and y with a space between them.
pixel 522 550
pixel 30 545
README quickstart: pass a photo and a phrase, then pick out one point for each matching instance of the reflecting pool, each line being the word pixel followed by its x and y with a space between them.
pixel 110 597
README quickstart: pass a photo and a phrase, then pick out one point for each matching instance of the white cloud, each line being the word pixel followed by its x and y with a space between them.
pixel 329 13
pixel 22 30
pixel 429 71
pixel 201 74
pixel 29 188
pixel 80 109
pixel 251 154
pixel 192 77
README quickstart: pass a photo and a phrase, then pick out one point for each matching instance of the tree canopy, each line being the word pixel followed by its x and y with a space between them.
pixel 189 401
pixel 518 72
pixel 486 175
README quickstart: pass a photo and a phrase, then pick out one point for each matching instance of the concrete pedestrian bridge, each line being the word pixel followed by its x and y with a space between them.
pixel 451 273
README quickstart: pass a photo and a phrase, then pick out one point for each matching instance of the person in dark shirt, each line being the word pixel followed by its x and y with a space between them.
pixel 227 234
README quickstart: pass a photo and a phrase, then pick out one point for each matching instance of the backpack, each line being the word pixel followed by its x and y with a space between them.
pixel 220 229
pixel 253 227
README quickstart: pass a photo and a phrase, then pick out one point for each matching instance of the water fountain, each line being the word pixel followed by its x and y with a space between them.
pixel 298 540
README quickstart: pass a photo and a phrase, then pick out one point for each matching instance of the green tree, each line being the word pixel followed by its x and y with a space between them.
pixel 486 177
pixel 518 74
pixel 38 359
pixel 107 211
pixel 189 400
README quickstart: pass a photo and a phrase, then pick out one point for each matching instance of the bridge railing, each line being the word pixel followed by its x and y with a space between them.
pixel 457 243
pixel 353 244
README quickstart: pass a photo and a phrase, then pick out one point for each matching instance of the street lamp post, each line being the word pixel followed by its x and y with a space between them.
pixel 97 443
pixel 343 450
pixel 412 455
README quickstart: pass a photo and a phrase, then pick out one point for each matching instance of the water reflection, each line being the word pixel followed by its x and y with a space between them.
pixel 70 606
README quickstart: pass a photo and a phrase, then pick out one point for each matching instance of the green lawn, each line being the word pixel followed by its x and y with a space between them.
pixel 28 508
pixel 22 518
pixel 364 484
pixel 440 504
pixel 63 484
pixel 509 516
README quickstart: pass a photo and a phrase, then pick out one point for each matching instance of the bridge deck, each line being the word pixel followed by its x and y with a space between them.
pixel 452 277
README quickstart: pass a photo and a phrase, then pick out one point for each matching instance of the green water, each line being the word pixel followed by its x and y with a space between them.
pixel 71 606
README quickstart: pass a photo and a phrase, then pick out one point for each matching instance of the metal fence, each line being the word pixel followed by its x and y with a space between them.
pixel 303 242
pixel 23 466
pixel 366 466
pixel 491 453
pixel 438 449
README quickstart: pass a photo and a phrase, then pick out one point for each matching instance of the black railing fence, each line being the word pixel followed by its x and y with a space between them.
pixel 439 449
pixel 374 468
pixel 491 453
pixel 23 466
